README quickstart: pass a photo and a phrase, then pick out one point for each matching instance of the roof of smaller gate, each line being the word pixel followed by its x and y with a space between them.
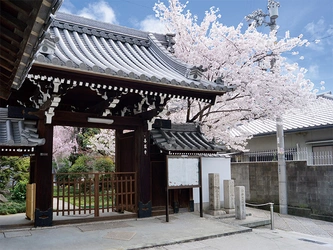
pixel 186 138
pixel 89 45
pixel 18 132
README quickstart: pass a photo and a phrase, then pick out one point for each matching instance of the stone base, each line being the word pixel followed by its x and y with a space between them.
pixel 216 212
pixel 229 210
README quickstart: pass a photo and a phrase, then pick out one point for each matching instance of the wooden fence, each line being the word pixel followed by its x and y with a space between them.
pixel 94 193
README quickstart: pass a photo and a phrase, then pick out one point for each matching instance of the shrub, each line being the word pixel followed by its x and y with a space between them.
pixel 13 168
pixel 61 173
pixel 12 207
pixel 19 191
pixel 104 164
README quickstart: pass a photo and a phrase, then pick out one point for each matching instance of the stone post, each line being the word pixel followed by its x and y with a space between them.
pixel 214 194
pixel 229 196
pixel 240 203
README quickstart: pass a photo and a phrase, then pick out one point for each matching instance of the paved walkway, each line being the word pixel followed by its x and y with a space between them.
pixel 184 231
pixel 290 223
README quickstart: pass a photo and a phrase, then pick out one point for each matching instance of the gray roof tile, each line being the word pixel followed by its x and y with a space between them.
pixel 18 132
pixel 91 45
pixel 183 138
pixel 319 115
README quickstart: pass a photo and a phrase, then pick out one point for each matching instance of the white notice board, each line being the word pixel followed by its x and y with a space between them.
pixel 183 171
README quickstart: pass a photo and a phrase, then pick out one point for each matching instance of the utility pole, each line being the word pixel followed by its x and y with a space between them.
pixel 259 17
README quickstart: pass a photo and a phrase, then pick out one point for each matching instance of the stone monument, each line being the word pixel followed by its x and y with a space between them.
pixel 229 196
pixel 214 195
pixel 240 203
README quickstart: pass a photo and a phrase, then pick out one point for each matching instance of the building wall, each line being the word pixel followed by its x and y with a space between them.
pixel 307 186
pixel 220 165
pixel 291 140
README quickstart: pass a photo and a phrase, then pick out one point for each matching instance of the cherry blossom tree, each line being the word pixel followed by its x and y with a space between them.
pixel 104 142
pixel 64 143
pixel 266 83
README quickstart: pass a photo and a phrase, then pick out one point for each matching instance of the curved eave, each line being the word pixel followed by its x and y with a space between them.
pixel 77 74
pixel 22 26
pixel 186 152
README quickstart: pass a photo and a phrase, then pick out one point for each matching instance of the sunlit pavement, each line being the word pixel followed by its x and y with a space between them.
pixel 184 231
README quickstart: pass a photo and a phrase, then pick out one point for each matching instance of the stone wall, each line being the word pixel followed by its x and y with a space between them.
pixel 309 187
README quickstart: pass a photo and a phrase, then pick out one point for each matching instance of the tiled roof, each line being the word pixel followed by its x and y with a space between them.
pixel 89 45
pixel 18 132
pixel 319 115
pixel 183 138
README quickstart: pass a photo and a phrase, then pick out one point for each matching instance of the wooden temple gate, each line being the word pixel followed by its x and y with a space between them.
pixel 94 193
pixel 97 75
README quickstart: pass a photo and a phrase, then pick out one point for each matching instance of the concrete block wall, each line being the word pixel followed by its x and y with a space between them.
pixel 308 186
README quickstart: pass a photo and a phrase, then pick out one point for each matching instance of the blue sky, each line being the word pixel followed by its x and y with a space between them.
pixel 311 18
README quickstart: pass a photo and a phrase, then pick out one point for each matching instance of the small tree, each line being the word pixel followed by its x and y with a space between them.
pixel 104 164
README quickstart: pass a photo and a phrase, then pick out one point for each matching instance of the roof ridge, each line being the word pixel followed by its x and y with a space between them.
pixel 90 26
pixel 327 95
pixel 180 66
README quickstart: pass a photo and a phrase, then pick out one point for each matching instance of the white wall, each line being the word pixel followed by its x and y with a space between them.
pixel 263 143
pixel 220 165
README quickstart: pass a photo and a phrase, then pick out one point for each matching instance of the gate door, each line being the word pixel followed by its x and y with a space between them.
pixel 94 193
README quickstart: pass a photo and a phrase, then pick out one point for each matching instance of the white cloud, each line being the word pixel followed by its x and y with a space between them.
pixel 313 71
pixel 67 7
pixel 316 29
pixel 100 11
pixel 152 24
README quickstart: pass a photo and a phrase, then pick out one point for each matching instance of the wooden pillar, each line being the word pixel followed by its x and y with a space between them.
pixel 43 176
pixel 142 154
pixel 32 169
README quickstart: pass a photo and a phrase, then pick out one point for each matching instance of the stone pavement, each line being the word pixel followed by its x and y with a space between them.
pixel 184 231
pixel 289 223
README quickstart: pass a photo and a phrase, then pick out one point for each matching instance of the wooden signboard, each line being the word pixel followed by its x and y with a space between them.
pixel 183 172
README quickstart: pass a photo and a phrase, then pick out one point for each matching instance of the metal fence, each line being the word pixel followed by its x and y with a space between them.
pixel 92 193
pixel 312 158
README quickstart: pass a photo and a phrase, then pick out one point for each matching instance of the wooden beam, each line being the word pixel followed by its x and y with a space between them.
pixel 65 118
pixel 5 74
pixel 8 57
pixel 12 49
pixel 16 151
pixel 10 35
pixel 113 80
pixel 4 92
pixel 6 64
pixel 9 20
pixel 23 7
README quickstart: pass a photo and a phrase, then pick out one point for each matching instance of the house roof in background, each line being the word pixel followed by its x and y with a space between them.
pixel 88 45
pixel 183 138
pixel 319 115
pixel 22 26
